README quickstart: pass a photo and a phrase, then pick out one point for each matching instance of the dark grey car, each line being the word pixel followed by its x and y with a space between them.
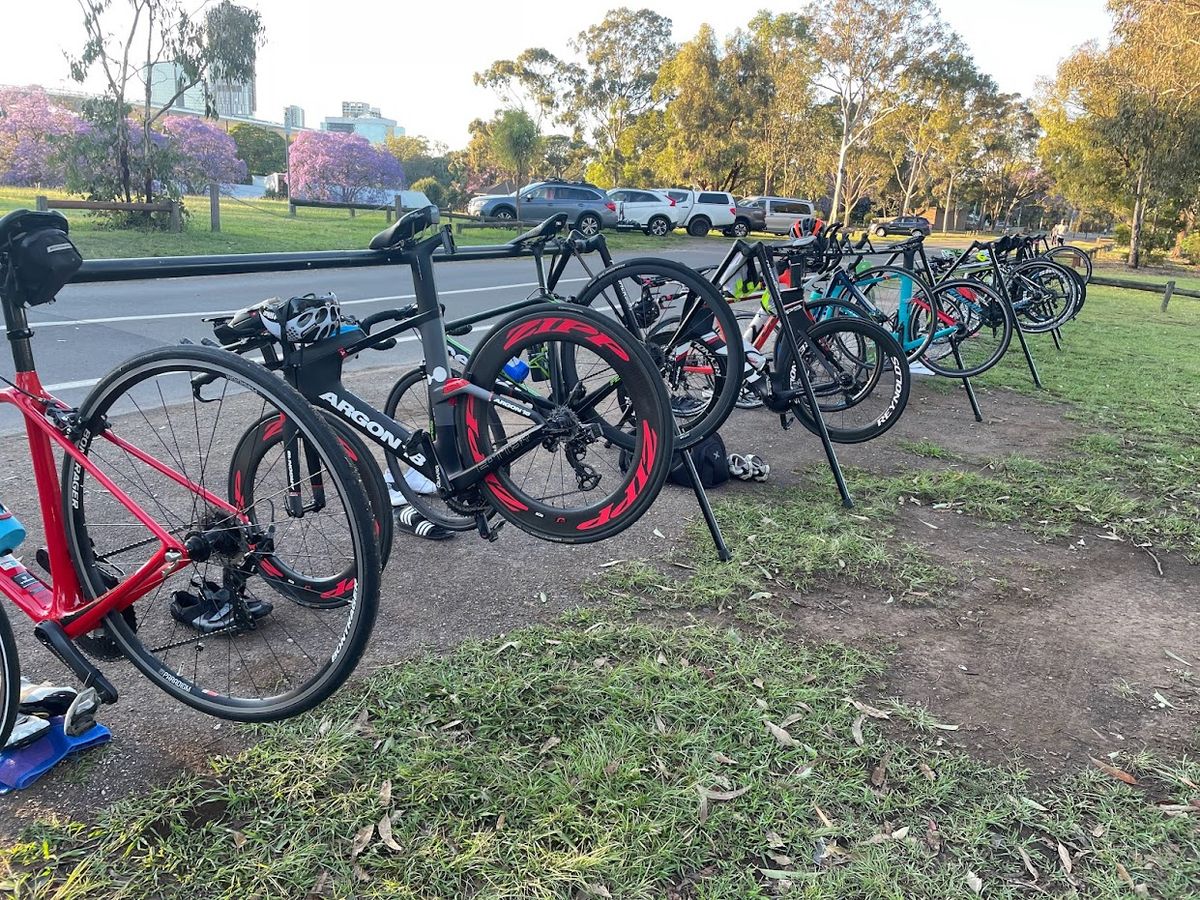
pixel 750 216
pixel 902 225
pixel 587 207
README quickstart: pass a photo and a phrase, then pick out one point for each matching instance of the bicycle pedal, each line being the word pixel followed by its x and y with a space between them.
pixel 488 531
pixel 51 634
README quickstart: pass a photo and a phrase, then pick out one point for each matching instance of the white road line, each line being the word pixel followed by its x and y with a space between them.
pixel 228 312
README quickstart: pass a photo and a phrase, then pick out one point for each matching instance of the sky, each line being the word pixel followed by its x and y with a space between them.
pixel 414 58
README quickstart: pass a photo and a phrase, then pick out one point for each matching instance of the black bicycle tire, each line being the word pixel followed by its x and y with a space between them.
pixel 723 316
pixel 900 369
pixel 916 352
pixel 1042 326
pixel 314 429
pixel 937 368
pixel 645 476
pixel 420 502
pixel 10 671
pixel 1067 248
pixel 252 448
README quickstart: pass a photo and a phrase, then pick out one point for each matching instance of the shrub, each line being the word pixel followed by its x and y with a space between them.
pixel 1190 248
pixel 431 188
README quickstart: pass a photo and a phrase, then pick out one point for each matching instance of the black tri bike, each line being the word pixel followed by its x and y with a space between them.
pixel 544 453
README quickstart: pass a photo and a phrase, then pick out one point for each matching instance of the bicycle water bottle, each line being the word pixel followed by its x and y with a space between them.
pixel 516 369
pixel 12 532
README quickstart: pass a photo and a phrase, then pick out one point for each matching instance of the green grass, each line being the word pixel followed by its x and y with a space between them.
pixel 621 762
pixel 781 544
pixel 263 226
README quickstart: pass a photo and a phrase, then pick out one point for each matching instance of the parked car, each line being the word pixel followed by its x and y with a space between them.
pixel 902 225
pixel 702 211
pixel 748 216
pixel 587 207
pixel 782 213
pixel 651 211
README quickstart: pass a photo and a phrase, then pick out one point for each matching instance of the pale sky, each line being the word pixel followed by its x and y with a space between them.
pixel 414 58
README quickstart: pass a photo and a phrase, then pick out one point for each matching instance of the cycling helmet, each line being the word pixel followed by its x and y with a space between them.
pixel 303 320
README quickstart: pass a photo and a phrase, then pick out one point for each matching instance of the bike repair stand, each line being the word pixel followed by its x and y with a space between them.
pixel 714 528
pixel 1037 381
pixel 967 386
pixel 1057 335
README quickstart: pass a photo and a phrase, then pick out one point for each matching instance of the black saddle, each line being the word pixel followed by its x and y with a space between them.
pixel 405 228
pixel 542 232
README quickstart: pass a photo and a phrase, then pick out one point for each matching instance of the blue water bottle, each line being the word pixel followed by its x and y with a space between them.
pixel 12 532
pixel 516 369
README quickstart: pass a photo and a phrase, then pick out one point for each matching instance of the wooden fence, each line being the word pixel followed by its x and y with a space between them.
pixel 167 206
pixel 1167 290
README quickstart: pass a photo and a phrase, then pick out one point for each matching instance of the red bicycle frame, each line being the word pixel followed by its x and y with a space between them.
pixel 63 600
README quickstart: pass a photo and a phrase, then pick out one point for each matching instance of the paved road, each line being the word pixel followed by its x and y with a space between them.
pixel 93 327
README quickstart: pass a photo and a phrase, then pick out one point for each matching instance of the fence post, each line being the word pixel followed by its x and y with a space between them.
pixel 291 209
pixel 352 212
pixel 176 219
pixel 1167 292
pixel 214 206
pixel 42 203
pixel 398 200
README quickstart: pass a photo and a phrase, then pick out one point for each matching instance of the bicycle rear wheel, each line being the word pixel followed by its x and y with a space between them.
pixel 899 296
pixel 1043 294
pixel 641 292
pixel 230 631
pixel 857 370
pixel 602 448
pixel 1075 259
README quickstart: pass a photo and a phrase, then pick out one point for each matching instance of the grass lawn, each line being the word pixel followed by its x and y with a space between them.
pixel 610 758
pixel 262 226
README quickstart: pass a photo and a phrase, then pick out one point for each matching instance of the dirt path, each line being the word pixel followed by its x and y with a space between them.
pixel 1050 652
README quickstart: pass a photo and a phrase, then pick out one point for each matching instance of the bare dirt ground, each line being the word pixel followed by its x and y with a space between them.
pixel 1045 654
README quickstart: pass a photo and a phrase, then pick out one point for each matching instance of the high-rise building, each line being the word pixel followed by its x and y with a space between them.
pixel 229 98
pixel 353 109
pixel 293 117
pixel 362 118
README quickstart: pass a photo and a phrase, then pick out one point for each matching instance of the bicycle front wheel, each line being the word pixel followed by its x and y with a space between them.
pixel 975 327
pixel 277 591
pixel 691 334
pixel 587 446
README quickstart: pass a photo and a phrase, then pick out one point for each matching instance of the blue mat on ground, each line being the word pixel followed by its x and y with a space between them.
pixel 22 767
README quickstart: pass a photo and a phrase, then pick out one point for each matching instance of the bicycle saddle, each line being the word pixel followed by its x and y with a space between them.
pixel 22 220
pixel 544 231
pixel 404 228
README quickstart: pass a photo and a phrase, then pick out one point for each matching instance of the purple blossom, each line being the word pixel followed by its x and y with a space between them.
pixel 329 165
pixel 205 153
pixel 32 128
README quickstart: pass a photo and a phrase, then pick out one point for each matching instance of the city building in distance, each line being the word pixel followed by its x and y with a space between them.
pixel 362 118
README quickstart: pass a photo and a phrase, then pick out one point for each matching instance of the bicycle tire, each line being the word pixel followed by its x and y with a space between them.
pixel 958 302
pixel 262 436
pixel 670 350
pixel 852 352
pixel 358 600
pixel 1057 294
pixel 1075 259
pixel 915 333
pixel 431 506
pixel 10 678
pixel 623 372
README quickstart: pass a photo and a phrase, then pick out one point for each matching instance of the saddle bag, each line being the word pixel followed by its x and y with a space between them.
pixel 41 260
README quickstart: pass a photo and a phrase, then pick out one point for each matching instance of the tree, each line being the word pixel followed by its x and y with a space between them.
pixel 33 130
pixel 220 47
pixel 329 165
pixel 615 83
pixel 515 142
pixel 431 188
pixel 536 82
pixel 421 157
pixel 205 154
pixel 262 150
pixel 1123 121
pixel 871 51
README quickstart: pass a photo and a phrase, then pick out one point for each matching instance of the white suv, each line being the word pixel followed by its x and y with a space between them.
pixel 652 211
pixel 702 211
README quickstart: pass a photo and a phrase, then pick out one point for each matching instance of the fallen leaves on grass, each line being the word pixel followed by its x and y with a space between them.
pixel 385 833
pixel 781 735
pixel 974 882
pixel 1119 774
pixel 361 838
pixel 856 730
pixel 868 709
pixel 1029 866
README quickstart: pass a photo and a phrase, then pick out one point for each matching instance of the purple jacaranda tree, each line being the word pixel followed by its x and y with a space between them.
pixel 204 154
pixel 328 165
pixel 33 131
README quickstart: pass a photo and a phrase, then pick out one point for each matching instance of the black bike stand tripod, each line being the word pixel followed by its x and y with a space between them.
pixel 710 520
pixel 967 386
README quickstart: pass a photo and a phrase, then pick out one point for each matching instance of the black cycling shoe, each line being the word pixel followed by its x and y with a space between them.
pixel 212 609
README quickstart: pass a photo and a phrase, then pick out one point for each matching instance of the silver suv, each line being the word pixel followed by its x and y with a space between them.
pixel 782 213
pixel 587 207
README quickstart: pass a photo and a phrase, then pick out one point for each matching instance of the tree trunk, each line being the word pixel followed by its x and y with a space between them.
pixel 148 175
pixel 1139 216
pixel 838 180
pixel 949 200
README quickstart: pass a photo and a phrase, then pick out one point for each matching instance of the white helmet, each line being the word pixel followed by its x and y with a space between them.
pixel 303 320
